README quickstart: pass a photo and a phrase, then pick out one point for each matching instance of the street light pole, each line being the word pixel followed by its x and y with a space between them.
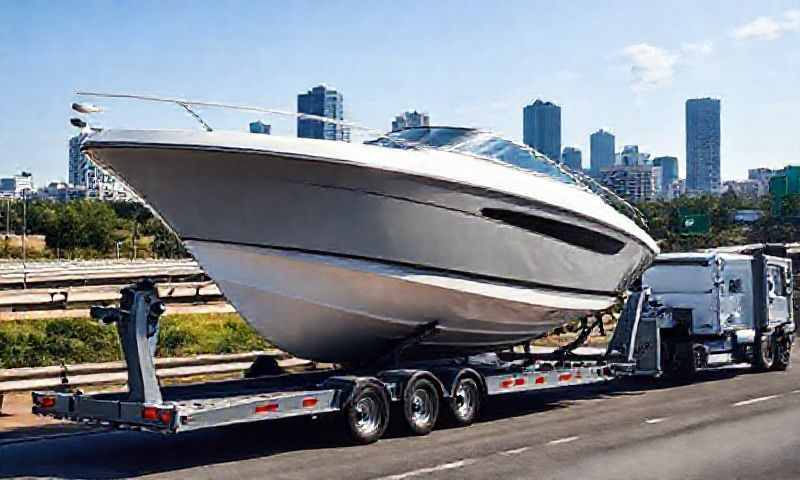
pixel 24 236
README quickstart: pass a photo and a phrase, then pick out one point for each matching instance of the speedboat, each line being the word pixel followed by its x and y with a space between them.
pixel 339 252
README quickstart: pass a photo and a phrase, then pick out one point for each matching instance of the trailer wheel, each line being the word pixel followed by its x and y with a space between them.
pixel 465 402
pixel 421 406
pixel 367 415
pixel 764 353
pixel 783 352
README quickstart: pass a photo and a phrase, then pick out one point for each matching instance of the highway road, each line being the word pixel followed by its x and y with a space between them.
pixel 729 424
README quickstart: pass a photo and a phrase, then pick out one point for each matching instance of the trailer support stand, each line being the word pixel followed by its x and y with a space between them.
pixel 137 324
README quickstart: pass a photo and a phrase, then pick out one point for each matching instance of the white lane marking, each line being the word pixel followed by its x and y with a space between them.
pixel 795 391
pixel 515 451
pixel 754 400
pixel 654 420
pixel 563 440
pixel 424 471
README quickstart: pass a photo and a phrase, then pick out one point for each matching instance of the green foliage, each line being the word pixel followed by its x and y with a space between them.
pixel 49 342
pixel 91 228
pixel 664 220
pixel 37 343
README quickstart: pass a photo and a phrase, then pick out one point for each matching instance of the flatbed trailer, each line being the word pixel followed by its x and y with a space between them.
pixel 740 311
pixel 363 397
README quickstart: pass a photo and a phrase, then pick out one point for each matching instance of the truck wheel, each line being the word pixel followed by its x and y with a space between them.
pixel 421 406
pixel 783 352
pixel 764 353
pixel 367 415
pixel 465 402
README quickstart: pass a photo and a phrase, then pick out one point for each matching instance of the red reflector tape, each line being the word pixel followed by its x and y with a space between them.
pixel 310 402
pixel 519 381
pixel 47 402
pixel 564 377
pixel 540 380
pixel 266 408
pixel 507 383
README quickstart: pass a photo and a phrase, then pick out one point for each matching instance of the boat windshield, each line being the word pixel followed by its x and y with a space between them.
pixel 490 146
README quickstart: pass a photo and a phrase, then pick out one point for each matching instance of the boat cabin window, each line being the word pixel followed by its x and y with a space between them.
pixel 487 145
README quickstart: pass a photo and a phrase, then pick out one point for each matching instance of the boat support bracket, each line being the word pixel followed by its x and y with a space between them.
pixel 136 320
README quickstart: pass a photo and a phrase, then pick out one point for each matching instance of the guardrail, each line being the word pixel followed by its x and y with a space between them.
pixel 68 376
pixel 32 299
pixel 16 275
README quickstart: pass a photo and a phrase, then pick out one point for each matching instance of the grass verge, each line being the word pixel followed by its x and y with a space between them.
pixel 38 343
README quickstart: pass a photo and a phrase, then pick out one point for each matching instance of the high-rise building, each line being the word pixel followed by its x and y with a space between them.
pixel 762 176
pixel 601 152
pixel 633 183
pixel 260 127
pixel 17 185
pixel 669 170
pixel 703 145
pixel 410 119
pixel 572 158
pixel 541 128
pixel 84 173
pixel 630 156
pixel 322 102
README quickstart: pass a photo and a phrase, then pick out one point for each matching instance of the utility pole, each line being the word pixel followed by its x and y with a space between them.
pixel 24 236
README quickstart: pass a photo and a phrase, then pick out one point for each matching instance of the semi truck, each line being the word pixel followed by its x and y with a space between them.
pixel 692 312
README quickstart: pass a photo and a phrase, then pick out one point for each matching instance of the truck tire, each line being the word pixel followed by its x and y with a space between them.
pixel 764 352
pixel 420 406
pixel 783 352
pixel 367 415
pixel 465 402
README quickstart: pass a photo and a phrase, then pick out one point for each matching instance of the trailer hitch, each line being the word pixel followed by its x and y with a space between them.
pixel 136 320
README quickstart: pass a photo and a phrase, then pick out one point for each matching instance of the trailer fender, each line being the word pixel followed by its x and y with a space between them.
pixel 400 379
pixel 346 386
pixel 451 377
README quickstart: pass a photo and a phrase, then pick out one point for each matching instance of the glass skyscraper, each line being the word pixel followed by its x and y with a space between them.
pixel 702 145
pixel 601 151
pixel 573 158
pixel 541 128
pixel 669 170
pixel 323 102
pixel 410 119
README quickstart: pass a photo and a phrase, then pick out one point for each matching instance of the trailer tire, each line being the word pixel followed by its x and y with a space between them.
pixel 764 352
pixel 367 414
pixel 783 352
pixel 465 402
pixel 420 406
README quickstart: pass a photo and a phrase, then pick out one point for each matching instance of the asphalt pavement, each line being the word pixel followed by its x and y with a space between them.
pixel 727 424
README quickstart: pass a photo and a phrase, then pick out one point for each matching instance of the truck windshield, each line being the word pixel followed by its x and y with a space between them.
pixel 487 145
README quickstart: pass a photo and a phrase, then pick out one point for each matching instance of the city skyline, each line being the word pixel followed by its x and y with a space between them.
pixel 622 70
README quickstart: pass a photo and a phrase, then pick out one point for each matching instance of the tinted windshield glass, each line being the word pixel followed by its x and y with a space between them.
pixel 487 145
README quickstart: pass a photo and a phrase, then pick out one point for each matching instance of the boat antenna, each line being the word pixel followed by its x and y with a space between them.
pixel 188 104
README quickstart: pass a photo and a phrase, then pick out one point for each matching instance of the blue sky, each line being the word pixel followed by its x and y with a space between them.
pixel 621 65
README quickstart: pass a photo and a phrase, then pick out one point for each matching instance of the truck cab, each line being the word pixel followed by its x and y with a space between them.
pixel 708 309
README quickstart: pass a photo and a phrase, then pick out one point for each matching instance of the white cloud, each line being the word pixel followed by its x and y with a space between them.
pixel 769 28
pixel 652 67
pixel 698 49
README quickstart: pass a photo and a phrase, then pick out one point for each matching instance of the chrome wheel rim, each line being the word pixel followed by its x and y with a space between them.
pixel 368 416
pixel 465 400
pixel 421 407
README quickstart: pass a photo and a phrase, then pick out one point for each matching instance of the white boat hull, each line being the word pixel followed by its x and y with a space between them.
pixel 335 309
pixel 335 251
